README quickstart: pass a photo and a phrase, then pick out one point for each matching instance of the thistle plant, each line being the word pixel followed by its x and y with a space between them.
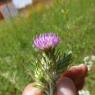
pixel 50 63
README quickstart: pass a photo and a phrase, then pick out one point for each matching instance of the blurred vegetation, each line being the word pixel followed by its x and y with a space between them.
pixel 73 20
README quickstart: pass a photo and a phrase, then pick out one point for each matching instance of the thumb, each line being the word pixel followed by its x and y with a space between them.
pixel 31 90
pixel 66 87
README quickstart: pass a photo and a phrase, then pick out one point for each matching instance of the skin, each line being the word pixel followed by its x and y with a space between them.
pixel 66 87
pixel 69 84
pixel 30 90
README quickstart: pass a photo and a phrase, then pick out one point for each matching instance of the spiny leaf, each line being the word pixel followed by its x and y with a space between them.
pixel 64 63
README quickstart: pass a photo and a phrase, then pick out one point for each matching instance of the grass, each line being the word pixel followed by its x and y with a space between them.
pixel 73 20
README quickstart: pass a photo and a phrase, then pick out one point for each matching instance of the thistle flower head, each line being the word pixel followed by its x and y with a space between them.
pixel 46 41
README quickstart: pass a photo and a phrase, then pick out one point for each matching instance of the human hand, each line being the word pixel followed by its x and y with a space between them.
pixel 69 83
pixel 74 82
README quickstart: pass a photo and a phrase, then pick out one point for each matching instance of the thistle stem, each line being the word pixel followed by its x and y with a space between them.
pixel 51 89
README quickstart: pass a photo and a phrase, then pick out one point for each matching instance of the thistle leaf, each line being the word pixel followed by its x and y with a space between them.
pixel 63 63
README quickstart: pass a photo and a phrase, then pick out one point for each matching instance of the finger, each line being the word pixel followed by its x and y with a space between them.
pixel 79 71
pixel 66 87
pixel 30 90
pixel 77 74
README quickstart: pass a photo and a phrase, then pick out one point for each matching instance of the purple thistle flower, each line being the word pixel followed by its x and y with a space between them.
pixel 46 41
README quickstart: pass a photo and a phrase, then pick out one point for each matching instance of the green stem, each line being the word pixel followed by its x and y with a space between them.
pixel 51 89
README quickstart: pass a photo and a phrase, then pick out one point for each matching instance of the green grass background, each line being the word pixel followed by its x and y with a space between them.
pixel 72 20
